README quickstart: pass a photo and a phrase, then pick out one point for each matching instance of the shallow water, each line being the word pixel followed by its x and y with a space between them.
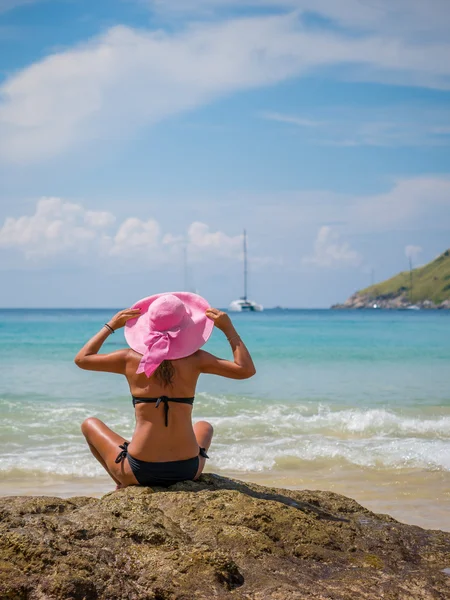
pixel 356 402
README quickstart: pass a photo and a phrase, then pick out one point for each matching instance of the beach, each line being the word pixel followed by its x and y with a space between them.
pixel 355 402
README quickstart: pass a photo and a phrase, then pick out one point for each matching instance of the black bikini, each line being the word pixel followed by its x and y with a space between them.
pixel 165 400
pixel 161 473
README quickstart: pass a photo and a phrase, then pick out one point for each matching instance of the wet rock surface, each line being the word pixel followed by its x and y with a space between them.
pixel 212 539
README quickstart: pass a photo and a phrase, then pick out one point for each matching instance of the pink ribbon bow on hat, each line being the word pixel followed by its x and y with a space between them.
pixel 158 346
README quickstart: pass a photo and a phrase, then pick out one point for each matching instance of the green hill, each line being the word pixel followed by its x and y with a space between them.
pixel 430 282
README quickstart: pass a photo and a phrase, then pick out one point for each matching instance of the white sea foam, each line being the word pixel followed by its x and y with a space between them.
pixel 74 459
pixel 251 434
pixel 391 454
pixel 325 419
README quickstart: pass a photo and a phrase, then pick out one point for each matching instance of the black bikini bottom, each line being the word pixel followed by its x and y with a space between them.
pixel 161 473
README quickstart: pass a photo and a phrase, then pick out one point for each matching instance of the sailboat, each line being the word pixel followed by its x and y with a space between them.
pixel 243 304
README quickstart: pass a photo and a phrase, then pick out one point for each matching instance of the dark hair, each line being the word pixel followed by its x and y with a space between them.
pixel 165 372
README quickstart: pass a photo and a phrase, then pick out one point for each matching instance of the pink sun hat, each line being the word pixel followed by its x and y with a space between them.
pixel 171 326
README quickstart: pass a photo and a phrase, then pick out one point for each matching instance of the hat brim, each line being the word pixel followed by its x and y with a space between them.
pixel 196 328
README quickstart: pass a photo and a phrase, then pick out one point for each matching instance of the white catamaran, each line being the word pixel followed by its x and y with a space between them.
pixel 243 304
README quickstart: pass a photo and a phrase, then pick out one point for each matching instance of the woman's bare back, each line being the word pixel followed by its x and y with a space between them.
pixel 153 441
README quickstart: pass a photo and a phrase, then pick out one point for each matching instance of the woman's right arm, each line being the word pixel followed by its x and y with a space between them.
pixel 242 367
pixel 88 357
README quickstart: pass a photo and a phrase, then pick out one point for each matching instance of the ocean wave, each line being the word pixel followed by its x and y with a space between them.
pixel 254 455
pixel 49 420
pixel 329 453
pixel 250 435
pixel 330 421
pixel 237 415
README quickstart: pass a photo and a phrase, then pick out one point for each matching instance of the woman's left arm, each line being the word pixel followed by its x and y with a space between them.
pixel 114 362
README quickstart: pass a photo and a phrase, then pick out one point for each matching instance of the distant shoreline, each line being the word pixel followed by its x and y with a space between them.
pixel 337 306
pixel 388 302
pixel 103 309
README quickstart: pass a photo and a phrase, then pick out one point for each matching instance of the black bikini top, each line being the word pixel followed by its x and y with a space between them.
pixel 165 400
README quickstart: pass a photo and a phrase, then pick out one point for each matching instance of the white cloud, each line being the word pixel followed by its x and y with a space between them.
pixel 99 219
pixel 59 228
pixel 413 252
pixel 405 126
pixel 115 83
pixel 331 251
pixel 414 202
pixel 409 204
pixel 203 242
pixel 61 231
pixel 135 237
pixel 290 119
pixel 409 18
pixel 55 228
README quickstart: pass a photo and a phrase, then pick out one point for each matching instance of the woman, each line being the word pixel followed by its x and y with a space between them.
pixel 162 366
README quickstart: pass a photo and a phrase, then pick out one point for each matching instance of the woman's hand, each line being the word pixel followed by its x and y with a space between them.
pixel 123 316
pixel 221 320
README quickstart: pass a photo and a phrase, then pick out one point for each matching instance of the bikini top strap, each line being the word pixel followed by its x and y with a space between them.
pixel 165 400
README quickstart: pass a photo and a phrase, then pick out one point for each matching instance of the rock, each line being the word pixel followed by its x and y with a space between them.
pixel 428 304
pixel 215 539
pixel 387 301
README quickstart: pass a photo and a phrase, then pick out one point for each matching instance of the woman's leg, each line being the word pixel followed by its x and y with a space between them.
pixel 204 433
pixel 104 444
pixel 102 462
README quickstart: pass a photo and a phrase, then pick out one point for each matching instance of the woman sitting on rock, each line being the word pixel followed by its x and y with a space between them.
pixel 165 333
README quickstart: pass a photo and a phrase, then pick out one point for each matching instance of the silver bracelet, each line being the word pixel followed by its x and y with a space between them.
pixel 234 337
pixel 111 330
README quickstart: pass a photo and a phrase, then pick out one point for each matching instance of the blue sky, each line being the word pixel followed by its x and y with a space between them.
pixel 133 129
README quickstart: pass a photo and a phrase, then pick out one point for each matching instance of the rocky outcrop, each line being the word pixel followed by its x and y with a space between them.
pixel 388 301
pixel 427 287
pixel 215 539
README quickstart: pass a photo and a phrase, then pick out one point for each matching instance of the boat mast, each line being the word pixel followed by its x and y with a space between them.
pixel 411 281
pixel 185 268
pixel 245 266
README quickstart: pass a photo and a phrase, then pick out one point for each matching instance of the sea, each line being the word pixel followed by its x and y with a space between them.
pixel 354 402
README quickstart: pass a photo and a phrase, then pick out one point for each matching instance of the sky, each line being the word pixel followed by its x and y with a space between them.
pixel 138 138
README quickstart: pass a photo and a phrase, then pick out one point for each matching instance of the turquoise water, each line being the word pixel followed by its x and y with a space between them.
pixel 367 389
